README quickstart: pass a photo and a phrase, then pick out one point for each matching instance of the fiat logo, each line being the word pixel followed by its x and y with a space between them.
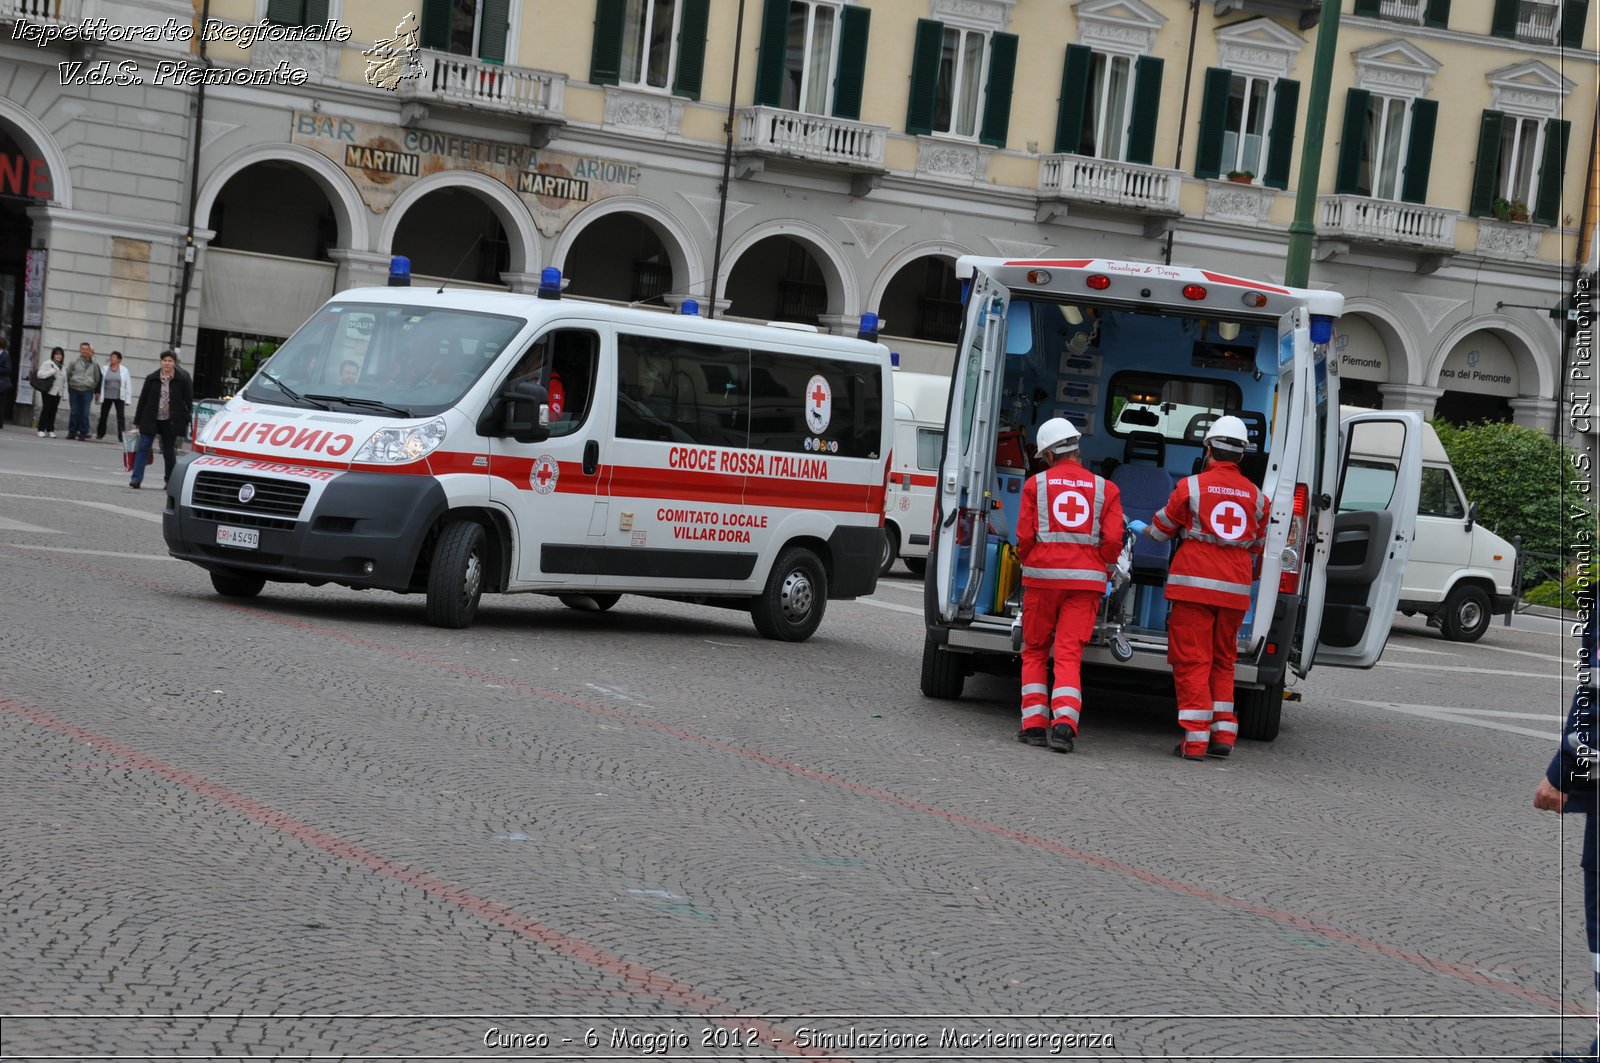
pixel 246 493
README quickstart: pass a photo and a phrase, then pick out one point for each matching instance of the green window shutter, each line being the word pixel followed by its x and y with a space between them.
pixel 1352 142
pixel 1280 147
pixel 1488 167
pixel 1574 14
pixel 496 22
pixel 1213 122
pixel 1504 22
pixel 1547 205
pixel 997 95
pixel 436 25
pixel 285 12
pixel 1437 14
pixel 605 61
pixel 1146 106
pixel 924 76
pixel 1074 97
pixel 853 26
pixel 769 65
pixel 316 12
pixel 1419 151
pixel 1368 8
pixel 692 22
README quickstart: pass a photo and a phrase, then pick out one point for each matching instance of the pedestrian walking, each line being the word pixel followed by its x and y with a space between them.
pixel 83 384
pixel 115 387
pixel 1570 785
pixel 50 383
pixel 165 402
pixel 1069 530
pixel 6 383
pixel 1222 518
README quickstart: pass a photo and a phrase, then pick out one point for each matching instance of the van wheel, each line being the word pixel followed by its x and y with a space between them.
pixel 237 584
pixel 1465 614
pixel 916 565
pixel 455 579
pixel 942 673
pixel 891 549
pixel 791 606
pixel 591 602
pixel 1259 712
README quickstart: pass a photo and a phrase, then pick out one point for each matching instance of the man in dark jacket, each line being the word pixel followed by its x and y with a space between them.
pixel 165 403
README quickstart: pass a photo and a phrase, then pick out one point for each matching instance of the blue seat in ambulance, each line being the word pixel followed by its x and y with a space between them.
pixel 1145 486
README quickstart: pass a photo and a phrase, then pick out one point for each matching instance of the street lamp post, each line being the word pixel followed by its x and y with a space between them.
pixel 1303 230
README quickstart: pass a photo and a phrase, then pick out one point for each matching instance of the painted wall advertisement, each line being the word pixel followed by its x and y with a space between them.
pixel 32 320
pixel 385 160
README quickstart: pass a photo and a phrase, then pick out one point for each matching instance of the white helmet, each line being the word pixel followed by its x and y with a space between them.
pixel 1056 434
pixel 1228 433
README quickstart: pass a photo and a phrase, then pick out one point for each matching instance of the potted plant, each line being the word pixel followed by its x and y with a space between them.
pixel 1241 177
pixel 1519 210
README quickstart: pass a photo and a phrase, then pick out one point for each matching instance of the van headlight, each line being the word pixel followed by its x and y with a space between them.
pixel 395 446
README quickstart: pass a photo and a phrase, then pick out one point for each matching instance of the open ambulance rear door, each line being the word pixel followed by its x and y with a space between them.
pixel 1375 523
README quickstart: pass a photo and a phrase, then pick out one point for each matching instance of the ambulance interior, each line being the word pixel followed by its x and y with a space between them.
pixel 1143 388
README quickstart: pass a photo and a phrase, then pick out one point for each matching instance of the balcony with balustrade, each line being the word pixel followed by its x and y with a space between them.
pixel 52 13
pixel 460 81
pixel 1345 221
pixel 1538 22
pixel 810 141
pixel 1066 181
pixel 1411 11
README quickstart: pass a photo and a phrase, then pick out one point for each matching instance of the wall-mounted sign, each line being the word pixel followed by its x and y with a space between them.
pixel 1361 351
pixel 25 177
pixel 385 160
pixel 1483 365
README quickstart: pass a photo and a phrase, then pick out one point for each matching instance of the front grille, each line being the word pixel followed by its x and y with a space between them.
pixel 245 520
pixel 279 498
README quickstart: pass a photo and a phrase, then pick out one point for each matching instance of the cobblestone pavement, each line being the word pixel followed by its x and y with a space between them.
pixel 311 825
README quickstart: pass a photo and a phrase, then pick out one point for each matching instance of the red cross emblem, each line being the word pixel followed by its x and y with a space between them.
pixel 544 474
pixel 819 407
pixel 1071 509
pixel 1228 520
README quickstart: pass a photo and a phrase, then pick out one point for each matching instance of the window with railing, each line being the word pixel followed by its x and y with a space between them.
pixel 475 28
pixel 1387 148
pixel 1541 21
pixel 1109 104
pixel 650 280
pixel 961 82
pixel 650 44
pixel 801 301
pixel 1521 160
pixel 1416 12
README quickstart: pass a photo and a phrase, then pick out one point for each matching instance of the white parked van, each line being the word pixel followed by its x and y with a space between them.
pixel 456 442
pixel 1460 573
pixel 919 408
pixel 1122 348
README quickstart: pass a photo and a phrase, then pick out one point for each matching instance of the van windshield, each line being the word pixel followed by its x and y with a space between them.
pixel 384 358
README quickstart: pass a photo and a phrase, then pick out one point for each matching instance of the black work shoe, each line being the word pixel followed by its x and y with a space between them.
pixel 133 484
pixel 1061 736
pixel 1033 736
pixel 1217 750
pixel 1177 751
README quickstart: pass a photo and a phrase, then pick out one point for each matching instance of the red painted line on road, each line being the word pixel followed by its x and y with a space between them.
pixel 1299 922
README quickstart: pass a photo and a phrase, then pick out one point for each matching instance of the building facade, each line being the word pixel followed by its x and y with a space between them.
pixel 207 173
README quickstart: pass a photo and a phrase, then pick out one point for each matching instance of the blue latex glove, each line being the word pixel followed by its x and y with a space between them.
pixel 1107 593
pixel 1137 526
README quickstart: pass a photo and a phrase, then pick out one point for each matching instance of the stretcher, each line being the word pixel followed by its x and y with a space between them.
pixel 1115 608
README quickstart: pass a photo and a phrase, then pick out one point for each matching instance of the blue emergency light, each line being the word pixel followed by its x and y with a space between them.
pixel 550 283
pixel 689 308
pixel 1321 328
pixel 894 359
pixel 869 326
pixel 399 272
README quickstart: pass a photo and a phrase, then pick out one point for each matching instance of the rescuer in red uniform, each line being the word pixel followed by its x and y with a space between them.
pixel 1069 529
pixel 1222 519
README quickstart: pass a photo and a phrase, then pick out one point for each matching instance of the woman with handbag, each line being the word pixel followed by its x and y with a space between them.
pixel 50 381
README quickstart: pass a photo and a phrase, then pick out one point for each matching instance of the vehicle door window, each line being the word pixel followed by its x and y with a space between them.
pixel 564 361
pixel 821 405
pixel 679 391
pixel 1368 485
pixel 930 447
pixel 1439 497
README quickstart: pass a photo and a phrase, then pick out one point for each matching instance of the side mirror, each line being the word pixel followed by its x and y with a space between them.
pixel 1472 514
pixel 526 412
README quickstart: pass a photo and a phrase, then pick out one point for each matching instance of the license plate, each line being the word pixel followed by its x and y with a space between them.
pixel 242 538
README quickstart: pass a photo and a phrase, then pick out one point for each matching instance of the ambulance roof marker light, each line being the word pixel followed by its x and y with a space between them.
pixel 550 283
pixel 1321 328
pixel 689 308
pixel 869 327
pixel 399 272
pixel 1098 281
pixel 1039 276
pixel 1255 300
pixel 1194 292
pixel 894 359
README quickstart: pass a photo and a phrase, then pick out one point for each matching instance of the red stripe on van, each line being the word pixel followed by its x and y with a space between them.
pixel 1223 278
pixel 1058 263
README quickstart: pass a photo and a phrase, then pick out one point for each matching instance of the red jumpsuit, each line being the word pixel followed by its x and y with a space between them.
pixel 1068 530
pixel 1223 520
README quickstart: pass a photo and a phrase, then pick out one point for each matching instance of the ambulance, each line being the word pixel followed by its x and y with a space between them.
pixel 1142 358
pixel 452 443
pixel 919 408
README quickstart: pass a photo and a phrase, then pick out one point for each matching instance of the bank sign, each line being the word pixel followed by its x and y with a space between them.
pixel 385 160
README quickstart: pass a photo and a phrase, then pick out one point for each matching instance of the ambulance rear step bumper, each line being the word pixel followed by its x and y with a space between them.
pixel 1148 654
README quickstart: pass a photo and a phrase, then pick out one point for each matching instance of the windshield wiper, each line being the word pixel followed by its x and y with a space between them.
pixel 291 392
pixel 371 404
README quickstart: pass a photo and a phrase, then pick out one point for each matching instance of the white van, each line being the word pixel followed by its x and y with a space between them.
pixel 1088 340
pixel 919 408
pixel 456 442
pixel 1460 574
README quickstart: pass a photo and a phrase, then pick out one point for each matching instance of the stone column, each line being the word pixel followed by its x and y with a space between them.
pixel 1533 412
pixel 358 269
pixel 1410 397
